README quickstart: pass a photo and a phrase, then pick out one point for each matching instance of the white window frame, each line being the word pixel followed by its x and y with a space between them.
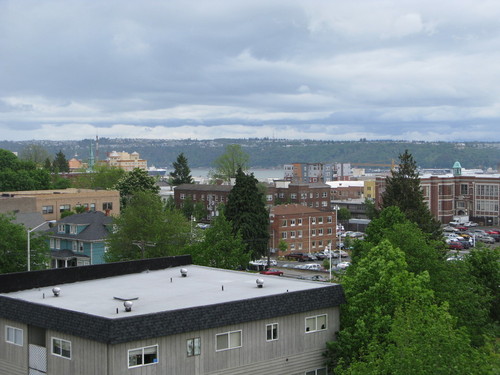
pixel 299 221
pixel 73 229
pixel 311 323
pixel 61 342
pixel 58 244
pixel 193 346
pixel 229 344
pixel 292 222
pixel 272 329
pixel 61 228
pixel 14 335
pixel 142 349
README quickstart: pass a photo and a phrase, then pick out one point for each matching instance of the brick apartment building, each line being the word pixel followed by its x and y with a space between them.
pixel 304 229
pixel 458 193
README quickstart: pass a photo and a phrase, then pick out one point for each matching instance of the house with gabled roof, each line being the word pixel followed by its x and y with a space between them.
pixel 79 239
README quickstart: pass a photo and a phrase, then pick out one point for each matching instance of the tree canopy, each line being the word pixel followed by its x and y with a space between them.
pixel 135 181
pixel 17 175
pixel 227 165
pixel 247 212
pixel 102 177
pixel 145 229
pixel 181 173
pixel 14 244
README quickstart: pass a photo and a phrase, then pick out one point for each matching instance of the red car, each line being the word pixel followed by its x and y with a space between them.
pixel 455 245
pixel 272 271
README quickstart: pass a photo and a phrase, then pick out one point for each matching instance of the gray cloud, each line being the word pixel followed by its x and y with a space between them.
pixel 416 70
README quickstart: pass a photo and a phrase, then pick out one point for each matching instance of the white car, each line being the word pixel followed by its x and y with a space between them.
pixel 343 265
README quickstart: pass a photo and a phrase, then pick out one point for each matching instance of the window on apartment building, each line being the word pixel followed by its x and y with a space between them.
pixel 316 323
pixel 64 207
pixel 292 247
pixel 284 235
pixel 317 195
pixel 203 197
pixel 317 204
pixel 313 220
pixel 293 196
pixel 292 234
pixel 283 223
pixel 52 243
pixel 72 229
pixel 303 195
pixel 329 219
pixel 107 206
pixel 329 231
pixel 272 332
pixel 299 245
pixel 143 356
pixel 324 195
pixel 281 195
pixel 193 346
pixel 292 222
pixel 58 243
pixel 320 220
pixel 61 348
pixel 320 231
pixel 299 234
pixel 313 232
pixel 182 196
pixel 228 340
pixel 92 207
pixel 299 221
pixel 14 335
pixel 74 245
pixel 320 243
pixel 318 371
pixel 464 189
pixel 269 197
pixel 47 210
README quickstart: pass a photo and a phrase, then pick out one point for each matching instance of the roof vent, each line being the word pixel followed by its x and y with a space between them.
pixel 128 305
pixel 56 291
pixel 260 283
pixel 184 272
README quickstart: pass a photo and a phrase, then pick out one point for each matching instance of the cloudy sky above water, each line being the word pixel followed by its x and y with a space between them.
pixel 331 69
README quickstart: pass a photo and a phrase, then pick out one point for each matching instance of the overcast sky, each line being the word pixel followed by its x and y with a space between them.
pixel 331 69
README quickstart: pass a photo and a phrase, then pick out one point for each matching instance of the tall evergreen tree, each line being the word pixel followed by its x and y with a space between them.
pixel 60 163
pixel 403 190
pixel 248 214
pixel 181 173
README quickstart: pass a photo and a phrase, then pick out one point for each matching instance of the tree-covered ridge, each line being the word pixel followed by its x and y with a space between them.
pixel 271 153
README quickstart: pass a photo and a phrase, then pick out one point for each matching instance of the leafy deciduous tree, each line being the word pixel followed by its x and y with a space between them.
pixel 133 182
pixel 145 229
pixel 102 177
pixel 228 164
pixel 248 214
pixel 34 153
pixel 220 247
pixel 13 246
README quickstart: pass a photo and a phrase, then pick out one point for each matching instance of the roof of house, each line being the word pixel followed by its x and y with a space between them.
pixel 164 302
pixel 95 229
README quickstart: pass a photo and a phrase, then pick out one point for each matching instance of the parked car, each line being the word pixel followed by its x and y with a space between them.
pixel 343 265
pixel 318 278
pixel 449 228
pixel 272 271
pixel 312 267
pixel 455 245
pixel 470 224
pixel 485 239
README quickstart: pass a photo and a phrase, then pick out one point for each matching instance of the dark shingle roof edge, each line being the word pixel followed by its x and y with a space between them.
pixel 125 329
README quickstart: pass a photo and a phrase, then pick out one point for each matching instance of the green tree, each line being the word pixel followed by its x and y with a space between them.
pixel 60 164
pixel 133 182
pixel 102 177
pixel 228 164
pixel 423 339
pixel 200 211
pixel 14 244
pixel 145 229
pixel 181 173
pixel 220 247
pixel 375 287
pixel 343 214
pixel 370 209
pixel 403 190
pixel 34 153
pixel 248 214
pixel 8 161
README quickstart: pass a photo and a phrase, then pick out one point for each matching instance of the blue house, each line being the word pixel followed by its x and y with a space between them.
pixel 79 239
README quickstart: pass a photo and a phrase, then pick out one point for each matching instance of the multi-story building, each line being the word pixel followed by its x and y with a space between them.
pixel 315 195
pixel 302 228
pixel 458 193
pixel 52 203
pixel 346 190
pixel 164 316
pixel 126 161
pixel 316 172
pixel 210 195
pixel 79 239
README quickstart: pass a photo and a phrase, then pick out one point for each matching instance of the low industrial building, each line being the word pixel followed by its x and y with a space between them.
pixel 164 316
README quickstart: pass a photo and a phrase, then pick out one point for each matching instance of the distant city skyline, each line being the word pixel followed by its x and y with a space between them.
pixel 295 69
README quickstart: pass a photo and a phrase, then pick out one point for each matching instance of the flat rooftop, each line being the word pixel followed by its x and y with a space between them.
pixel 161 290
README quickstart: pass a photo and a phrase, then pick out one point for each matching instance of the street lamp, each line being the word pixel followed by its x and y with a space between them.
pixel 29 240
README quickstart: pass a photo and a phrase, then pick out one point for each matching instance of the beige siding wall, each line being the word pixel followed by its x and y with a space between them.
pixel 13 358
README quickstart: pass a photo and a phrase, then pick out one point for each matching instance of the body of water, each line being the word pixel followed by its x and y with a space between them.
pixel 260 174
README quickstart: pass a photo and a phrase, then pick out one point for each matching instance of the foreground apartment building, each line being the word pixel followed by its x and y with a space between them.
pixel 164 316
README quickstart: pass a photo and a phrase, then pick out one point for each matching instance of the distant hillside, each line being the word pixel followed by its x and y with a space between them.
pixel 271 153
